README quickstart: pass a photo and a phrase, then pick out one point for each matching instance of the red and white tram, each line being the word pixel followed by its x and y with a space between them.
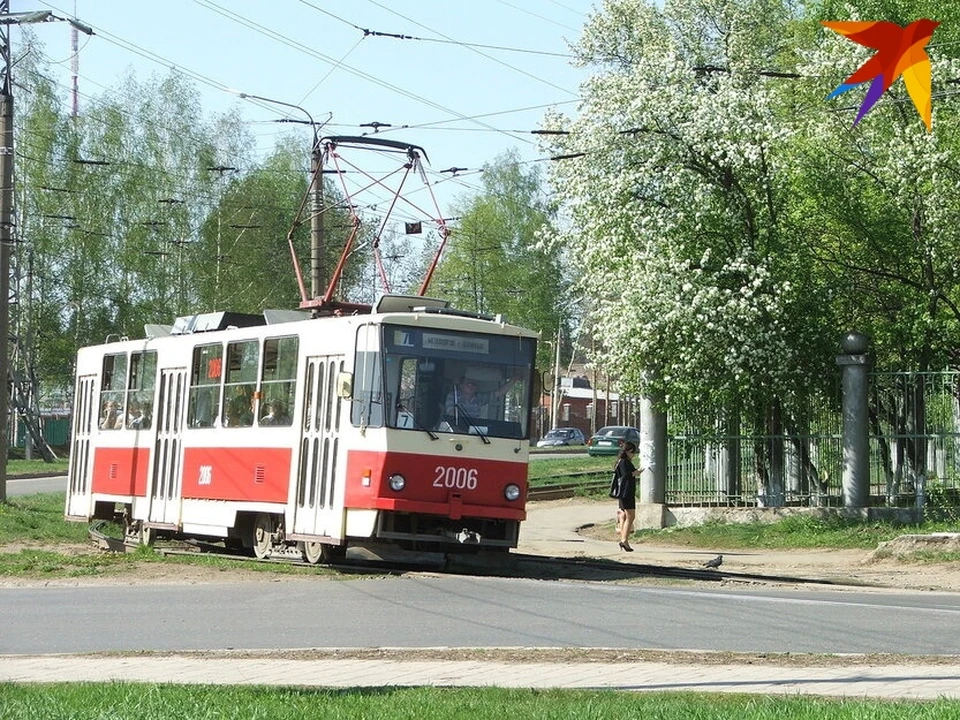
pixel 285 430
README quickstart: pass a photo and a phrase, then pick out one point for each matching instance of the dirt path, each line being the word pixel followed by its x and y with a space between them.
pixel 895 565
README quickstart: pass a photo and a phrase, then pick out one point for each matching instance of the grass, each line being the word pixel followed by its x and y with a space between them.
pixel 34 467
pixel 799 531
pixel 795 532
pixel 36 523
pixel 150 701
pixel 38 519
pixel 568 469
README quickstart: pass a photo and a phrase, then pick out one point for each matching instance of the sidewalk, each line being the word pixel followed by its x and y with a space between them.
pixel 549 530
pixel 916 682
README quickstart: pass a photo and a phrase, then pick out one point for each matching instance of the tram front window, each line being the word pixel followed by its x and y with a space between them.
pixel 449 382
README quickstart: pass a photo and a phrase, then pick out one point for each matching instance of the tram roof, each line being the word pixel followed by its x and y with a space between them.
pixel 388 304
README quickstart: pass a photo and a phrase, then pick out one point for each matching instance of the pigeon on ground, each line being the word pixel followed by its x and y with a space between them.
pixel 715 562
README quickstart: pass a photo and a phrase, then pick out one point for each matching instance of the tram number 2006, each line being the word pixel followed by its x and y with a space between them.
pixel 453 477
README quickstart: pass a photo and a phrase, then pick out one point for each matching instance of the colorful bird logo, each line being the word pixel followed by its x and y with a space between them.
pixel 900 51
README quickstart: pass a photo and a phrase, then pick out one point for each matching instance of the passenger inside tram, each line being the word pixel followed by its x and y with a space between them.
pixel 112 417
pixel 275 414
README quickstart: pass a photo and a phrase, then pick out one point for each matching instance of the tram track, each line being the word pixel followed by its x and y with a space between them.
pixel 560 491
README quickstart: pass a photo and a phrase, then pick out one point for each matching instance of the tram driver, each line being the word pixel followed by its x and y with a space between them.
pixel 465 398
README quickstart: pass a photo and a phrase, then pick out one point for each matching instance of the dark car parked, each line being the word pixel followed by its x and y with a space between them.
pixel 562 436
pixel 608 440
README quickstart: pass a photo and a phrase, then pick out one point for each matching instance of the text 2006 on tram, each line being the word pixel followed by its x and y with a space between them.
pixel 455 478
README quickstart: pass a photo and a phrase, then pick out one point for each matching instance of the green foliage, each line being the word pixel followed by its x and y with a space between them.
pixel 729 221
pixel 493 262
pixel 109 204
pixel 943 502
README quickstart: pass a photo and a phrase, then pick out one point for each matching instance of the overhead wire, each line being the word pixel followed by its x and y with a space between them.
pixel 206 80
pixel 300 47
pixel 474 49
pixel 399 36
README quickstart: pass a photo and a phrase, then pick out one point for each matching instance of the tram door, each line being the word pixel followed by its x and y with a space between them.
pixel 316 512
pixel 84 420
pixel 168 456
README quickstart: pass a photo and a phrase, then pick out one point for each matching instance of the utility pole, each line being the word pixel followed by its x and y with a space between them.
pixel 556 386
pixel 6 210
pixel 317 287
pixel 6 222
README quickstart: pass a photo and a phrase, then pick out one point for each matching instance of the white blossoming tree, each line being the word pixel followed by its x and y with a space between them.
pixel 681 207
pixel 731 223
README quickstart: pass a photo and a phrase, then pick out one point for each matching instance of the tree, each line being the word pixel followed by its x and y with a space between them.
pixel 732 223
pixel 494 262
pixel 881 196
pixel 679 207
pixel 109 206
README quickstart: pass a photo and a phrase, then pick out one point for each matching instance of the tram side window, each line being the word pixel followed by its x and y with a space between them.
pixel 278 383
pixel 143 378
pixel 367 408
pixel 203 406
pixel 401 380
pixel 113 385
pixel 240 383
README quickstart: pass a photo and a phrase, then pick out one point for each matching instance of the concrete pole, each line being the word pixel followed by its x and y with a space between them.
pixel 555 405
pixel 6 235
pixel 856 437
pixel 653 450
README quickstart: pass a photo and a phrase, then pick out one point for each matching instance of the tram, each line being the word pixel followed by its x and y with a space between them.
pixel 284 432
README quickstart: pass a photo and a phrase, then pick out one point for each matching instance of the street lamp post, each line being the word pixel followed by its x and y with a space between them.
pixel 316 198
pixel 6 210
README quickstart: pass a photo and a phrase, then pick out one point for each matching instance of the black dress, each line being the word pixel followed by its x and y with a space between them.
pixel 628 484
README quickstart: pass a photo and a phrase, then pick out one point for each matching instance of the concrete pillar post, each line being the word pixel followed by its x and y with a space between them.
pixel 653 449
pixel 856 437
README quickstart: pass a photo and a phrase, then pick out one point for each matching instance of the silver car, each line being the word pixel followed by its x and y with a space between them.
pixel 562 436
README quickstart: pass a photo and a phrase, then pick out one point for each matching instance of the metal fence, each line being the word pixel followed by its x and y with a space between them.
pixel 914 434
pixel 797 458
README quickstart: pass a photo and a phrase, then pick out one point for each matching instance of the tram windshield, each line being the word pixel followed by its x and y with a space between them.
pixel 443 381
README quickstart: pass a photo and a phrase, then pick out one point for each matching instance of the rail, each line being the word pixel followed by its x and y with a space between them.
pixel 560 491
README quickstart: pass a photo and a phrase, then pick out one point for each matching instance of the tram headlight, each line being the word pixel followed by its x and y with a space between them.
pixel 397 482
pixel 511 492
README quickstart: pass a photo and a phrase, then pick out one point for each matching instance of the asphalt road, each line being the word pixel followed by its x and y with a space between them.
pixel 30 486
pixel 428 611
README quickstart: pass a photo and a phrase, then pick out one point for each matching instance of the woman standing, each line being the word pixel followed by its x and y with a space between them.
pixel 627 500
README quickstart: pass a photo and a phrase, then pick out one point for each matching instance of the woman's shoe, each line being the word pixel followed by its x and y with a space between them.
pixel 626 547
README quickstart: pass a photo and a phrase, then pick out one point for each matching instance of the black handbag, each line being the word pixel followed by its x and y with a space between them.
pixel 615 486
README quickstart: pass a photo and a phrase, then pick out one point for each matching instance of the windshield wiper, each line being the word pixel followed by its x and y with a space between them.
pixel 472 423
pixel 403 408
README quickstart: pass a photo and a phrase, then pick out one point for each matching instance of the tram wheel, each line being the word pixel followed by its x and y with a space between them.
pixel 262 536
pixel 312 552
pixel 315 552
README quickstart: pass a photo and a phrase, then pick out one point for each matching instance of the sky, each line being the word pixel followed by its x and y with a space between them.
pixel 474 82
